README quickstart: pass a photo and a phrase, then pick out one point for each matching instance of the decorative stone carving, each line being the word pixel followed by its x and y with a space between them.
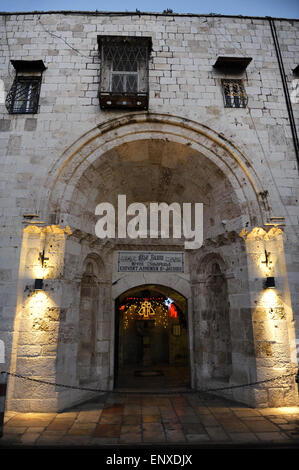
pixel 259 233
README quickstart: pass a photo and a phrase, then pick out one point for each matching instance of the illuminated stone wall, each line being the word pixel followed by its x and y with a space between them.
pixel 38 318
pixel 272 316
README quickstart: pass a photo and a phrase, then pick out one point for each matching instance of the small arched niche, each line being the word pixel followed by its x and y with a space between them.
pixel 88 361
pixel 213 335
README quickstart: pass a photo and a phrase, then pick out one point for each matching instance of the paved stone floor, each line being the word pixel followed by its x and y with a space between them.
pixel 168 419
pixel 172 377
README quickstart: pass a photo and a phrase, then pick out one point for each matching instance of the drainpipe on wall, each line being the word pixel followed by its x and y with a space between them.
pixel 285 88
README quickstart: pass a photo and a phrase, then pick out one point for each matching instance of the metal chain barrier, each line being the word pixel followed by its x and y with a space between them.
pixel 206 390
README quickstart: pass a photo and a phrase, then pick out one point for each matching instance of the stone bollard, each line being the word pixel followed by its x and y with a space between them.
pixel 3 388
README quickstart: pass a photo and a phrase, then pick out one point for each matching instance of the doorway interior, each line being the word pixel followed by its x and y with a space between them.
pixel 151 339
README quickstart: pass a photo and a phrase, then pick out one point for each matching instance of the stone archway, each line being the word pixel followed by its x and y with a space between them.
pixel 161 158
pixel 166 158
pixel 151 339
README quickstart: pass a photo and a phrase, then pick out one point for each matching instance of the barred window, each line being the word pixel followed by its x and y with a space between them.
pixel 124 82
pixel 124 71
pixel 23 96
pixel 234 93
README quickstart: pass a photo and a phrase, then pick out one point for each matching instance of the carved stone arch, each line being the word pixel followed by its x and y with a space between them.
pixel 205 263
pixel 59 190
pixel 94 265
pixel 158 340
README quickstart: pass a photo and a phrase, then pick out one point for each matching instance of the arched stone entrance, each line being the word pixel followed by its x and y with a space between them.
pixel 151 339
pixel 160 158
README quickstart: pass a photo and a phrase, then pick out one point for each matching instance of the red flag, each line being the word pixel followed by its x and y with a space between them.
pixel 173 313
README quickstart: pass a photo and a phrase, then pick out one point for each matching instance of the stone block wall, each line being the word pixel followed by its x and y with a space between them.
pixel 182 82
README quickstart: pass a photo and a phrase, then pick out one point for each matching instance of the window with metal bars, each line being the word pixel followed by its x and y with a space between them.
pixel 234 93
pixel 23 96
pixel 124 82
pixel 124 71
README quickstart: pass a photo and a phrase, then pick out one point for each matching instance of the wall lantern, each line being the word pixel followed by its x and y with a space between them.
pixel 269 282
pixel 38 284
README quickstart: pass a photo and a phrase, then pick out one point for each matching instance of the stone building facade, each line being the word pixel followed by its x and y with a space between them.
pixel 180 140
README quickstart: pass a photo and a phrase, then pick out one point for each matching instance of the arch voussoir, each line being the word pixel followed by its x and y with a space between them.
pixel 89 148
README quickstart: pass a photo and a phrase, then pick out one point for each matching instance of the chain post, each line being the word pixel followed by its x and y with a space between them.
pixel 3 389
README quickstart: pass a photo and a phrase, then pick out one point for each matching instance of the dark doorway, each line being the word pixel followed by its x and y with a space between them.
pixel 151 339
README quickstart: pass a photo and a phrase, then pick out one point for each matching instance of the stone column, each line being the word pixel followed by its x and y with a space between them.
pixel 104 334
pixel 272 317
pixel 37 320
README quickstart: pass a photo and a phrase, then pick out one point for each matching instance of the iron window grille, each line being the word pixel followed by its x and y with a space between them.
pixel 234 93
pixel 23 96
pixel 124 71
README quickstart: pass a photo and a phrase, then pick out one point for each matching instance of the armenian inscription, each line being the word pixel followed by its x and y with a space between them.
pixel 150 261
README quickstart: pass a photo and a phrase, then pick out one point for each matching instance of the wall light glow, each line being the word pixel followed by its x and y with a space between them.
pixel 288 410
pixel 274 308
pixel 40 272
pixel 38 303
pixel 270 298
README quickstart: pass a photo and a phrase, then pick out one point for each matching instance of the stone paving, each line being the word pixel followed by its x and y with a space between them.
pixel 168 419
